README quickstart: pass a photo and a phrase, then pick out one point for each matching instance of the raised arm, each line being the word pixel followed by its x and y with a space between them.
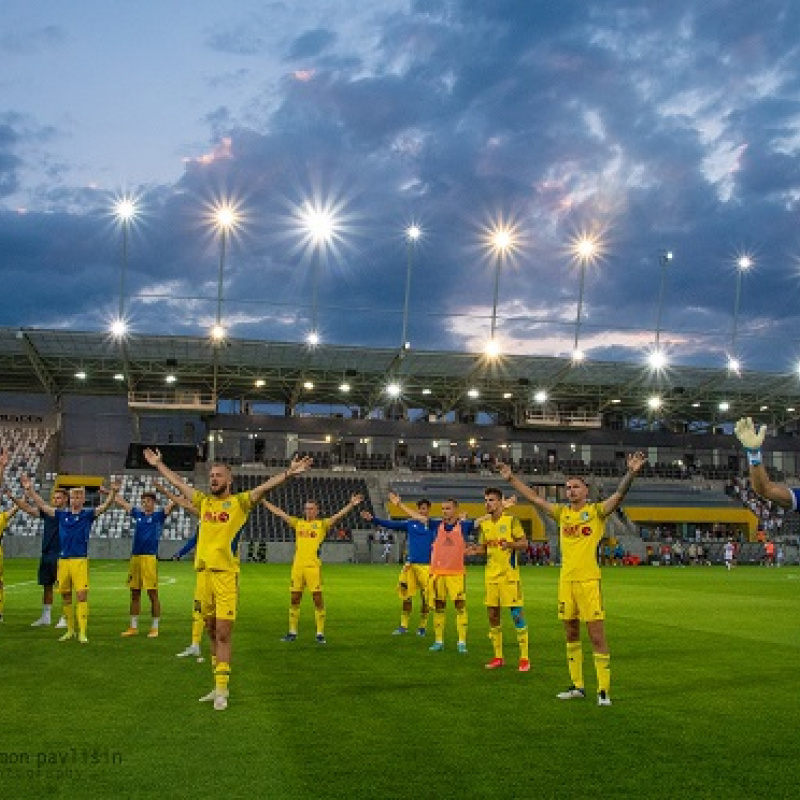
pixel 109 501
pixel 21 504
pixel 635 462
pixel 525 490
pixel 752 439
pixel 389 524
pixel 154 459
pixel 123 503
pixel 395 500
pixel 175 500
pixel 355 500
pixel 27 485
pixel 4 459
pixel 297 466
pixel 278 512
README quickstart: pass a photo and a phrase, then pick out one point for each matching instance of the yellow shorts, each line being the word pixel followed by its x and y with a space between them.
pixel 414 578
pixel 143 573
pixel 452 586
pixel 73 574
pixel 303 577
pixel 504 594
pixel 217 593
pixel 1 566
pixel 580 600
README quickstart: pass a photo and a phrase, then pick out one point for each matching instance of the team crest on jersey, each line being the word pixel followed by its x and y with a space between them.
pixel 226 504
pixel 584 516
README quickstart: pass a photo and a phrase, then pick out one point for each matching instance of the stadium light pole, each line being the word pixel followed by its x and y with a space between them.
pixel 124 211
pixel 665 257
pixel 413 233
pixel 743 264
pixel 320 226
pixel 501 240
pixel 225 217
pixel 585 250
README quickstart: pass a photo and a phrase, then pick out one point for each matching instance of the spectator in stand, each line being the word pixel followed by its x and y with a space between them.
pixel 769 553
pixel 779 555
pixel 692 553
pixel 729 553
pixel 545 554
pixel 619 554
pixel 677 553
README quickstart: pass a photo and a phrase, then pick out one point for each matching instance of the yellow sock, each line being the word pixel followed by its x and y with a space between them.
pixel 461 624
pixel 602 665
pixel 522 640
pixel 423 620
pixel 496 635
pixel 197 629
pixel 213 663
pixel 319 618
pixel 575 663
pixel 2 600
pixel 438 625
pixel 404 619
pixel 294 618
pixel 222 674
pixel 69 615
pixel 83 616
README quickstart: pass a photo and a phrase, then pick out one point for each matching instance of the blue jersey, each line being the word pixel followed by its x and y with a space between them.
pixel 147 532
pixel 73 532
pixel 795 499
pixel 420 538
pixel 50 539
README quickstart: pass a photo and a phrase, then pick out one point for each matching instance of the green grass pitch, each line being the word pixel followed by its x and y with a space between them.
pixel 705 683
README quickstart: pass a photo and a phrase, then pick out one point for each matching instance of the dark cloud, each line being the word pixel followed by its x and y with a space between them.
pixel 310 44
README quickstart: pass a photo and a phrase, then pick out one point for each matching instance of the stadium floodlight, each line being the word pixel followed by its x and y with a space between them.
pixel 665 259
pixel 426 392
pixel 217 332
pixel 654 402
pixel 119 328
pixel 260 383
pixel 81 375
pixel 312 339
pixel 344 387
pixel 507 395
pixel 119 376
pixel 540 397
pixel 226 217
pixel 308 385
pixel 724 405
pixel 492 348
pixel 503 239
pixel 586 250
pixel 744 262
pixel 657 360
pixel 473 394
pixel 322 228
pixel 170 379
pixel 412 235
pixel 577 355
pixel 125 210
pixel 734 365
pixel 394 390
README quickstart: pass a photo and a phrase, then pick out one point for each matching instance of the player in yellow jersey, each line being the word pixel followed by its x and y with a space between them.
pixel 502 540
pixel 309 533
pixel 222 517
pixel 581 526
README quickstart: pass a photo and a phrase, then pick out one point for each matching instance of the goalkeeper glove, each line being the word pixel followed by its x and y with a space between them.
pixel 751 438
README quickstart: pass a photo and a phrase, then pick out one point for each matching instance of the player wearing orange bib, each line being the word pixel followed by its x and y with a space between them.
pixel 222 517
pixel 307 567
pixel 581 526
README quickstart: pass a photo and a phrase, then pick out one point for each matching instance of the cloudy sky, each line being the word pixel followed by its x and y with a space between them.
pixel 654 126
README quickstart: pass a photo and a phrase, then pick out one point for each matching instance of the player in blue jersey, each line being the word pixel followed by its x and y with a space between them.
pixel 415 575
pixel 143 572
pixel 48 562
pixel 74 528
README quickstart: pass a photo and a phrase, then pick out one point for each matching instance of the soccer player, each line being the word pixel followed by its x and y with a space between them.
pixel 309 534
pixel 48 561
pixel 222 517
pixel 415 574
pixel 143 572
pixel 581 526
pixel 501 540
pixel 728 553
pixel 448 573
pixel 5 518
pixel 74 527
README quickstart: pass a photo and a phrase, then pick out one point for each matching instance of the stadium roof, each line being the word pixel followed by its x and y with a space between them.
pixel 34 360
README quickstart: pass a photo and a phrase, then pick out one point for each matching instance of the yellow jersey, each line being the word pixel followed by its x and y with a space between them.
pixel 221 523
pixel 580 533
pixel 4 519
pixel 501 565
pixel 309 536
